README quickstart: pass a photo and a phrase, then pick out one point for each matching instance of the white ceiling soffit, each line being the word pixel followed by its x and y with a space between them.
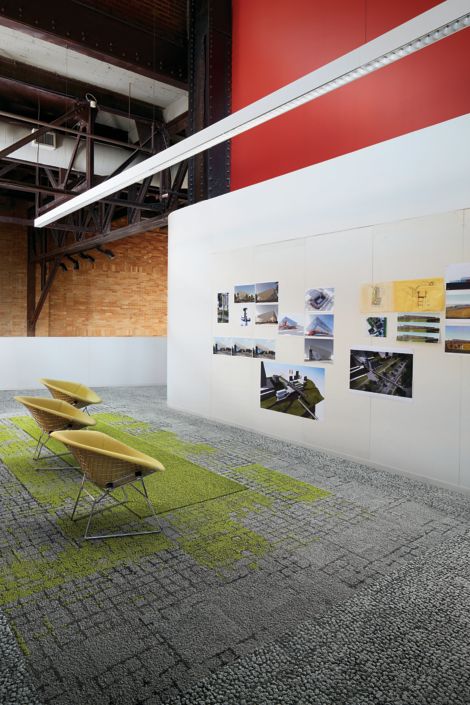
pixel 21 47
pixel 433 25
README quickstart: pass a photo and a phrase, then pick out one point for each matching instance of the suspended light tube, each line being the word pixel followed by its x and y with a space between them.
pixel 432 26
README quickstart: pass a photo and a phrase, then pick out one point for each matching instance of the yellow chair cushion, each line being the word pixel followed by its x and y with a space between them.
pixel 73 389
pixel 101 444
pixel 58 408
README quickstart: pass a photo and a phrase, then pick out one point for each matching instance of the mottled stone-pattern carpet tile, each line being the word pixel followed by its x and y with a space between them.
pixel 281 575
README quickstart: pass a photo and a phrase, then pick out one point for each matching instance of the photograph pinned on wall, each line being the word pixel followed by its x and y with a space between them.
pixel 245 315
pixel 320 325
pixel 321 299
pixel 418 328
pixel 318 349
pixel 458 276
pixel 376 326
pixel 222 346
pixel 222 307
pixel 377 297
pixel 266 314
pixel 267 293
pixel 384 372
pixel 264 349
pixel 422 295
pixel 457 338
pixel 293 389
pixel 458 304
pixel 244 294
pixel 291 324
pixel 242 347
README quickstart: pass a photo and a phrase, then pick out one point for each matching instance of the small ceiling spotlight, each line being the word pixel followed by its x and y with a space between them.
pixel 85 255
pixel 92 101
pixel 75 262
pixel 109 254
pixel 63 267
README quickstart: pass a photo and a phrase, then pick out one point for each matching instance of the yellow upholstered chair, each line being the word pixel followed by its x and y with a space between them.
pixel 75 393
pixel 54 415
pixel 109 464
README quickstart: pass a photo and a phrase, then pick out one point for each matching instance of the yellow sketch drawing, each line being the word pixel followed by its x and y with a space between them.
pixel 419 295
pixel 376 297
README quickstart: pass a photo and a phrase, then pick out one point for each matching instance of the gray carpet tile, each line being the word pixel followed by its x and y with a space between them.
pixel 147 631
pixel 403 641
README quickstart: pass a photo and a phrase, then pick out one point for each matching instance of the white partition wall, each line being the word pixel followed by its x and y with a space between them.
pixel 98 362
pixel 393 211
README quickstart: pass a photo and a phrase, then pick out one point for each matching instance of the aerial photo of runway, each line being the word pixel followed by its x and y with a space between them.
pixel 381 372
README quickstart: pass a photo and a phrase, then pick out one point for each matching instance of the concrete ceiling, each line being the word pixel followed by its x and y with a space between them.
pixel 16 46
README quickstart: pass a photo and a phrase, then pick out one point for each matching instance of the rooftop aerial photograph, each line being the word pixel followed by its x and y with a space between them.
pixel 292 389
pixel 381 372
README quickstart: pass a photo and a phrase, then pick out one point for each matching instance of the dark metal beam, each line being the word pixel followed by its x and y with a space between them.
pixel 37 133
pixel 50 127
pixel 44 292
pixel 95 33
pixel 90 243
pixel 31 285
pixel 210 43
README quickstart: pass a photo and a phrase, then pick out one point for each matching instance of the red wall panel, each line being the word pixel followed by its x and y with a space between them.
pixel 275 47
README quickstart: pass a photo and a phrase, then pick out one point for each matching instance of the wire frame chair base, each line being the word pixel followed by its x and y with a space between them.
pixel 96 509
pixel 42 440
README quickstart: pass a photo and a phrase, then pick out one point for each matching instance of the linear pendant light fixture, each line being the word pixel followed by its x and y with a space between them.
pixel 441 21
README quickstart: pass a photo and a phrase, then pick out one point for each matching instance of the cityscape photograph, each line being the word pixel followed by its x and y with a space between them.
pixel 264 349
pixel 244 293
pixel 222 346
pixel 381 372
pixel 242 347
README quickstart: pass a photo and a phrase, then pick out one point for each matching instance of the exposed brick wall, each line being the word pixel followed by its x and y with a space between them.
pixel 13 248
pixel 119 297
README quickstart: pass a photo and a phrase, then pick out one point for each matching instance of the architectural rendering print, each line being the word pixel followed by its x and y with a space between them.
pixel 291 389
pixel 381 372
pixel 320 299
pixel 267 293
pixel 320 325
pixel 266 314
pixel 316 349
pixel 291 324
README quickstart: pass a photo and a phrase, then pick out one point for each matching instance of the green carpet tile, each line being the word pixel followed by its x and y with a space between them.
pixel 202 512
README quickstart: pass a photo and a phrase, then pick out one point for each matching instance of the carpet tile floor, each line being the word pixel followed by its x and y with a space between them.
pixel 355 592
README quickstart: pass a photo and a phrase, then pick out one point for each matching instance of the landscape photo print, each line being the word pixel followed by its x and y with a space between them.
pixel 385 372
